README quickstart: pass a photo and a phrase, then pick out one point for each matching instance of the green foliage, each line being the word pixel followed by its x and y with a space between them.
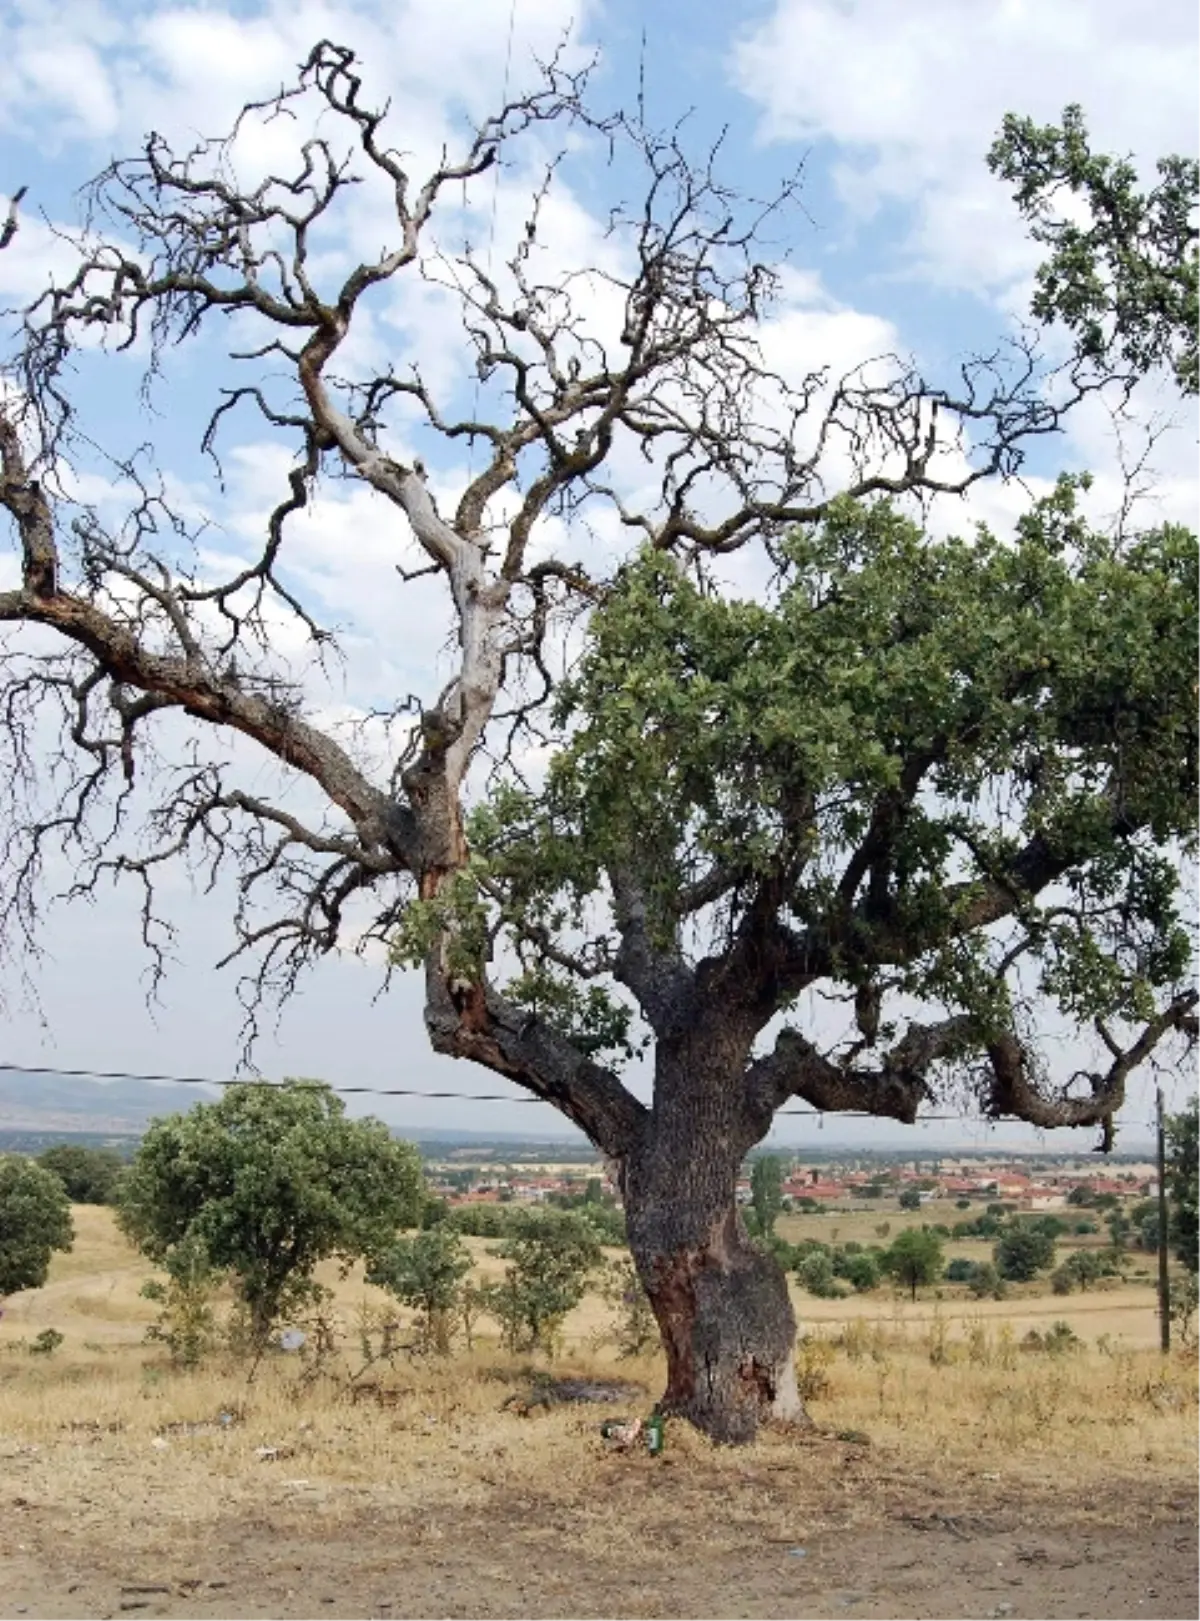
pixel 910 1199
pixel 814 1270
pixel 46 1342
pixel 959 1270
pixel 186 1323
pixel 766 1192
pixel 35 1220
pixel 270 1181
pixel 1181 1142
pixel 607 1221
pixel 1120 1228
pixel 1080 1270
pixel 90 1175
pixel 915 1258
pixel 1055 1340
pixel 1185 1298
pixel 758 739
pixel 1022 1251
pixel 551 1257
pixel 426 1271
pixel 985 1283
pixel 1123 280
pixel 862 1271
pixel 636 1330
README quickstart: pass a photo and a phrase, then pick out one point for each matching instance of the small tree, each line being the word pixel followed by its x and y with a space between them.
pixel 1182 1178
pixel 910 1199
pixel 90 1175
pixel 426 1271
pixel 186 1323
pixel 915 1258
pixel 814 1270
pixel 35 1220
pixel 766 1193
pixel 1022 1251
pixel 552 1256
pixel 270 1180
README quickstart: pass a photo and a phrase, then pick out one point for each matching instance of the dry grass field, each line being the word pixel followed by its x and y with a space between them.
pixel 948 1473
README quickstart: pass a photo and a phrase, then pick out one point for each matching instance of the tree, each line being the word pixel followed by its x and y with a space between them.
pixel 35 1221
pixel 1123 280
pixel 910 1199
pixel 270 1181
pixel 426 1271
pixel 552 1256
pixel 1182 1179
pixel 747 801
pixel 915 1258
pixel 814 1270
pixel 766 1192
pixel 1080 1270
pixel 90 1175
pixel 1022 1251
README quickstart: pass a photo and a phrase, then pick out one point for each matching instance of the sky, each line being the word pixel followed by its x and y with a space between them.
pixel 904 241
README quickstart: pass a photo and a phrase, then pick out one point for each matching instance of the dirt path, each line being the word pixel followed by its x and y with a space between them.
pixel 636 1539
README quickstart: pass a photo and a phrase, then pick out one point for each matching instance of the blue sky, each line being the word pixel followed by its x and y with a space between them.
pixel 904 241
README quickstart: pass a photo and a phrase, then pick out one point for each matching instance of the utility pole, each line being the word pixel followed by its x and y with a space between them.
pixel 1164 1285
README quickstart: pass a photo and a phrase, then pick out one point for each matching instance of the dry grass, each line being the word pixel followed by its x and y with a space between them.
pixel 119 1472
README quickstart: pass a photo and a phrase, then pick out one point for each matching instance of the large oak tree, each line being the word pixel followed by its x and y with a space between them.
pixel 942 780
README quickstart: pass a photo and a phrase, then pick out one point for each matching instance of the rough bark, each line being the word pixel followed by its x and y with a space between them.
pixel 722 1304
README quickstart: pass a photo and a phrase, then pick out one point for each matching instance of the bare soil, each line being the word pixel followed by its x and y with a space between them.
pixel 808 1526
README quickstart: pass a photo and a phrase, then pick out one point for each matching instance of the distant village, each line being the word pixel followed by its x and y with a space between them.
pixel 1006 1179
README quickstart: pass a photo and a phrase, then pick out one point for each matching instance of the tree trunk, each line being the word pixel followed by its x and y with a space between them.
pixel 722 1304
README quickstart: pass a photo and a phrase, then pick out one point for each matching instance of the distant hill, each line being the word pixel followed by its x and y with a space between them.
pixel 68 1103
pixel 73 1105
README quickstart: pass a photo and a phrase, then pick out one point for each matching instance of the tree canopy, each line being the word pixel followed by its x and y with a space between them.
pixel 943 770
pixel 269 1181
pixel 35 1221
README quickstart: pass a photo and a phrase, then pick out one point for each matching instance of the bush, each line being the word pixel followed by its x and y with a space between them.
pixel 269 1181
pixel 910 1199
pixel 1022 1251
pixel 1080 1270
pixel 46 1342
pixel 426 1272
pixel 960 1270
pixel 815 1273
pixel 552 1256
pixel 1059 1337
pixel 915 1258
pixel 35 1221
pixel 90 1175
pixel 186 1323
pixel 985 1283
pixel 859 1267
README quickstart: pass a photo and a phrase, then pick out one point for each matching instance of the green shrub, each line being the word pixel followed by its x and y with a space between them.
pixel 35 1221
pixel 90 1175
pixel 1022 1251
pixel 551 1257
pixel 270 1181
pixel 426 1272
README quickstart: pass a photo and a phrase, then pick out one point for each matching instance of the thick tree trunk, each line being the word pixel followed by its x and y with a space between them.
pixel 722 1304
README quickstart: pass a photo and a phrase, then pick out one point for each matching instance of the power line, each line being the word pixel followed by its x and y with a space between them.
pixel 411 1092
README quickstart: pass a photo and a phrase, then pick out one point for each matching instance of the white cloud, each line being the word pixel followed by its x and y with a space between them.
pixel 913 95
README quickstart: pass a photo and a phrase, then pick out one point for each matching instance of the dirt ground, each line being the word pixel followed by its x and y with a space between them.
pixel 808 1526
